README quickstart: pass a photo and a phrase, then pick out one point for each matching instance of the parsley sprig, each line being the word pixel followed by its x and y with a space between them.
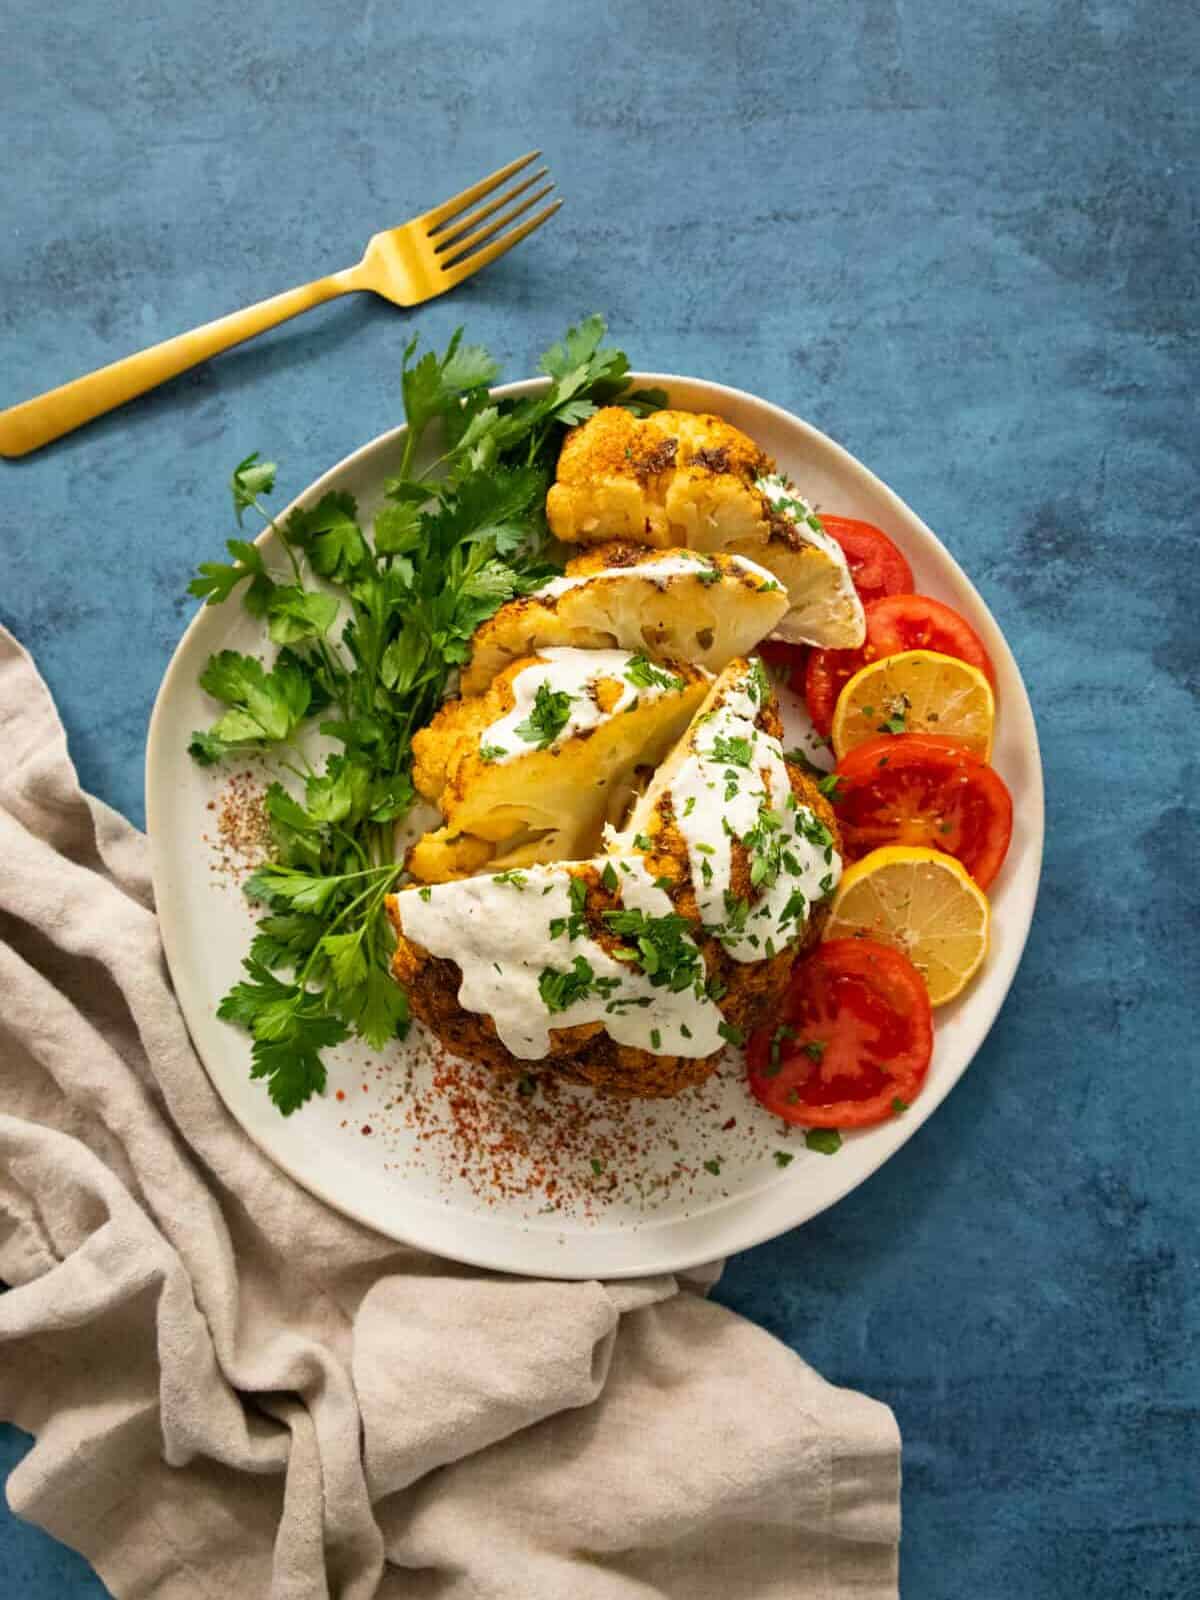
pixel 369 622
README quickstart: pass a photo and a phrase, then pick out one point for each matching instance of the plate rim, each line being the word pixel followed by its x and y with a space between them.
pixel 767 1220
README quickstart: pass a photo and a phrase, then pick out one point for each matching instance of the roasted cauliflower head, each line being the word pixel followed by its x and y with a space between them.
pixel 682 478
pixel 673 604
pixel 632 970
pixel 556 749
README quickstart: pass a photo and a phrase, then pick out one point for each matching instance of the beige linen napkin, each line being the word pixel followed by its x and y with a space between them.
pixel 238 1393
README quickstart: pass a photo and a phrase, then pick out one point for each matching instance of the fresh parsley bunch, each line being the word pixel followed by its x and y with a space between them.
pixel 370 626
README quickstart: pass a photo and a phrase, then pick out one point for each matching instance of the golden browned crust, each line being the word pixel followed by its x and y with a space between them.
pixel 658 480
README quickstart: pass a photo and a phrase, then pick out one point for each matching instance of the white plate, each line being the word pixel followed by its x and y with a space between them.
pixel 413 1188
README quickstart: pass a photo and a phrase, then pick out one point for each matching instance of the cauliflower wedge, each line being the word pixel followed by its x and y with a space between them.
pixel 760 843
pixel 558 747
pixel 673 604
pixel 689 478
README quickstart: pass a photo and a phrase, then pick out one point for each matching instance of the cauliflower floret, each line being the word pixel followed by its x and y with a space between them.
pixel 535 804
pixel 670 604
pixel 688 478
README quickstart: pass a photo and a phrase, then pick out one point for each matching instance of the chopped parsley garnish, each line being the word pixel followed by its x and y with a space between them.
pixel 829 786
pixel 548 716
pixel 826 1141
pixel 609 877
pixel 425 893
pixel 643 674
pixel 526 1086
pixel 713 1165
pixel 576 924
pixel 709 575
pixel 774 1053
pixel 899 1106
pixel 655 1039
pixel 815 1049
pixel 733 749
pixel 685 1030
pixel 597 1166
pixel 796 909
pixel 665 950
pixel 765 843
pixel 737 911
pixel 758 685
pixel 642 841
pixel 491 752
pixel 784 1158
pixel 799 758
pixel 813 829
pixel 731 1033
pixel 689 805
pixel 560 990
pixel 513 877
pixel 897 721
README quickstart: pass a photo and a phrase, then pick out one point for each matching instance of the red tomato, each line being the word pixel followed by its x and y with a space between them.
pixel 917 622
pixel 877 565
pixel 852 1042
pixel 787 659
pixel 825 675
pixel 924 789
pixel 895 623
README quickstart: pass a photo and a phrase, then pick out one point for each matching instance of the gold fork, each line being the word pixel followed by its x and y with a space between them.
pixel 405 265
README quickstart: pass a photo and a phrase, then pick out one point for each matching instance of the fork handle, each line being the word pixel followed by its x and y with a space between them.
pixel 36 422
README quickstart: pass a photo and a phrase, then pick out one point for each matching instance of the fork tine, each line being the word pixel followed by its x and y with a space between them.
pixel 464 247
pixel 451 208
pixel 443 237
pixel 498 247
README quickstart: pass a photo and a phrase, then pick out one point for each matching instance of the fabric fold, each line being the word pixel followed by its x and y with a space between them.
pixel 236 1391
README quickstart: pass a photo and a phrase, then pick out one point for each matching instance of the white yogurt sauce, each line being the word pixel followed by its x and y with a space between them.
pixel 734 783
pixel 687 564
pixel 497 930
pixel 564 670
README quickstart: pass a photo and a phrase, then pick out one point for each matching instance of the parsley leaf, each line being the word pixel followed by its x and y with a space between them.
pixel 826 1141
pixel 643 674
pixel 549 715
pixel 560 990
pixel 732 749
pixel 251 478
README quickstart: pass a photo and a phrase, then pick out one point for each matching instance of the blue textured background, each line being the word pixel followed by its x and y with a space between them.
pixel 961 238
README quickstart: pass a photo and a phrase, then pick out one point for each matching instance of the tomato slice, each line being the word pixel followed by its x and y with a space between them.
pixel 895 623
pixel 876 564
pixel 918 622
pixel 787 659
pixel 826 673
pixel 926 790
pixel 853 1040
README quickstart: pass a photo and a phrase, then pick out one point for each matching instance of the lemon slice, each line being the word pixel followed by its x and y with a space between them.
pixel 917 691
pixel 922 903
